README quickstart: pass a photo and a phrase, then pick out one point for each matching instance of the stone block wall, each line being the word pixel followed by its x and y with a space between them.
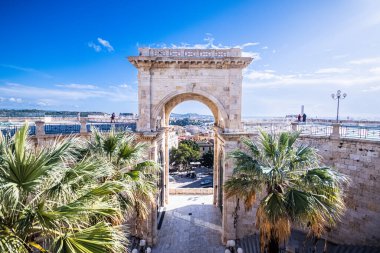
pixel 360 160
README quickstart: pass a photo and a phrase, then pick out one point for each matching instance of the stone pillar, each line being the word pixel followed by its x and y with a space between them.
pixel 150 230
pixel 216 168
pixel 144 119
pixel 40 128
pixel 83 126
pixel 229 204
pixel 335 134
pixel 166 167
pixel 294 126
pixel 152 236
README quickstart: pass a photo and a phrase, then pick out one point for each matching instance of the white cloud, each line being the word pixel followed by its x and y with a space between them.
pixel 125 86
pixel 105 44
pixel 340 56
pixel 78 86
pixel 260 75
pixel 372 88
pixel 65 93
pixel 46 102
pixel 102 43
pixel 264 48
pixel 209 39
pixel 96 47
pixel 255 78
pixel 15 100
pixel 41 103
pixel 332 70
pixel 249 44
pixel 28 70
pixel 363 61
pixel 255 55
pixel 375 70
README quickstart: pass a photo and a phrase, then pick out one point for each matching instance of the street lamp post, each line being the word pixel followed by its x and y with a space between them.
pixel 338 96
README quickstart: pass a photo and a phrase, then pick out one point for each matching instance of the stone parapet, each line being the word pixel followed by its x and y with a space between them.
pixel 190 53
pixel 191 191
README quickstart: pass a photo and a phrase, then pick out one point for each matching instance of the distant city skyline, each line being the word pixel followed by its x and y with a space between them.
pixel 71 55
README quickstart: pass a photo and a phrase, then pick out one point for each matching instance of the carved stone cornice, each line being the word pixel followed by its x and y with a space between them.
pixel 190 62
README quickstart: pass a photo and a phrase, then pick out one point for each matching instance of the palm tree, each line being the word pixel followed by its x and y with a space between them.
pixel 296 190
pixel 125 156
pixel 54 200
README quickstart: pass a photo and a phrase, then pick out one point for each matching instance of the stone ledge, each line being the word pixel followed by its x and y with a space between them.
pixel 190 191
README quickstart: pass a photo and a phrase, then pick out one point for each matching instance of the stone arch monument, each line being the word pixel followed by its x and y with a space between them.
pixel 168 77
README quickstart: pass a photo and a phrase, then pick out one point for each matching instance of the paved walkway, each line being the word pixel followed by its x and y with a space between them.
pixel 199 232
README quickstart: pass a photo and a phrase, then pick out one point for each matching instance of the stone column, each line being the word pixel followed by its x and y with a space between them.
pixel 40 128
pixel 166 166
pixel 216 168
pixel 229 204
pixel 294 126
pixel 152 219
pixel 335 131
pixel 83 126
pixel 143 122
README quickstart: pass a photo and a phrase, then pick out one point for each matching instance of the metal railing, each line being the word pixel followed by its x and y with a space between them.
pixel 62 128
pixel 273 128
pixel 315 129
pixel 106 127
pixel 11 130
pixel 351 131
pixel 360 132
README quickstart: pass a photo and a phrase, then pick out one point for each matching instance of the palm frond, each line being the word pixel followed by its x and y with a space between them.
pixel 245 187
pixel 10 242
pixel 100 238
pixel 295 188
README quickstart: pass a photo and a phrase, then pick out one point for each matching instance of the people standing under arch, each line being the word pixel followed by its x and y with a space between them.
pixel 299 118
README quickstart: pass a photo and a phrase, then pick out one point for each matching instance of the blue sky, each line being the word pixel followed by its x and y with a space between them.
pixel 71 55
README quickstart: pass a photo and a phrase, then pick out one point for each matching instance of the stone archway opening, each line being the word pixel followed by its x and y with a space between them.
pixel 161 113
pixel 163 122
pixel 167 77
pixel 197 133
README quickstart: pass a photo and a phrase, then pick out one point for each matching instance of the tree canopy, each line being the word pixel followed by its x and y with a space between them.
pixel 208 159
pixel 295 188
pixel 71 196
pixel 181 157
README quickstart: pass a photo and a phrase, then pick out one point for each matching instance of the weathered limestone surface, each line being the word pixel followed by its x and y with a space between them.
pixel 360 160
pixel 168 77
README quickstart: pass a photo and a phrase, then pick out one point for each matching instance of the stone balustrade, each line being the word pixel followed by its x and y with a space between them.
pixel 331 130
pixel 186 52
pixel 191 191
